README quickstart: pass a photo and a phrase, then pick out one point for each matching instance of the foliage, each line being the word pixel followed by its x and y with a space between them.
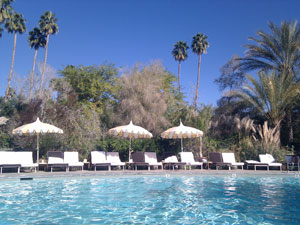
pixel 6 12
pixel 143 97
pixel 93 85
pixel 277 50
pixel 273 94
pixel 231 75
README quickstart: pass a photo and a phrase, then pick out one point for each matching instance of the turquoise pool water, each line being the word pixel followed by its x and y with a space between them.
pixel 152 200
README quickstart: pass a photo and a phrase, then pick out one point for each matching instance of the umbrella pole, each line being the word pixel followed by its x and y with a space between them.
pixel 129 154
pixel 181 145
pixel 37 148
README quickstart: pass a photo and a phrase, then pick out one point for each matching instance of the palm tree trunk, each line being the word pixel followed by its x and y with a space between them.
pixel 44 66
pixel 179 75
pixel 290 127
pixel 197 88
pixel 11 68
pixel 32 75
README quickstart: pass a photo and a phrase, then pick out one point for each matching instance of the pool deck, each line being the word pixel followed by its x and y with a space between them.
pixel 118 173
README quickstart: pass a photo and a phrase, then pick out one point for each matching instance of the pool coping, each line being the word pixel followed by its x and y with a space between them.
pixel 120 173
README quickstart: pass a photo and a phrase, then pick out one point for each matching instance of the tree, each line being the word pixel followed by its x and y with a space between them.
pixel 47 26
pixel 231 75
pixel 143 97
pixel 199 46
pixel 36 40
pixel 272 95
pixel 15 24
pixel 93 85
pixel 6 12
pixel 180 54
pixel 277 50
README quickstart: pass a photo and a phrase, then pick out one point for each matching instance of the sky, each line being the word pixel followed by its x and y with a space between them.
pixel 126 32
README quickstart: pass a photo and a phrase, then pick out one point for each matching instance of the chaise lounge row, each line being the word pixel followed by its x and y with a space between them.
pixel 67 160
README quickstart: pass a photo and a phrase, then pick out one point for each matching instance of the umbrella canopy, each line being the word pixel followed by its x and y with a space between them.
pixel 181 132
pixel 37 128
pixel 130 131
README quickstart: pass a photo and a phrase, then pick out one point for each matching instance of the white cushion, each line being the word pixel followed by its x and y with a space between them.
pixel 150 157
pixel 114 159
pixel 55 160
pixel 171 159
pixel 188 158
pixel 23 158
pixel 228 157
pixel 72 159
pixel 98 157
pixel 267 158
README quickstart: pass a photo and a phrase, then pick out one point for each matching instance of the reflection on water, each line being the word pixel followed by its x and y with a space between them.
pixel 152 200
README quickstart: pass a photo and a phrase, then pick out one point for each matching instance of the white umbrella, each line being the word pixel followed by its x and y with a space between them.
pixel 130 131
pixel 37 128
pixel 181 132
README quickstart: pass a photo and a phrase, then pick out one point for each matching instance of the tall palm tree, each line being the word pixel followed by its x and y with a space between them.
pixel 180 54
pixel 36 40
pixel 47 25
pixel 199 46
pixel 5 12
pixel 15 24
pixel 277 50
pixel 273 94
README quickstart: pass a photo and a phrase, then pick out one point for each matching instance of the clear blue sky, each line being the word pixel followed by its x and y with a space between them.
pixel 131 31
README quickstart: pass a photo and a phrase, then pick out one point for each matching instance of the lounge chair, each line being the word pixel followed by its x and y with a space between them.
pixel 56 160
pixel 138 159
pixel 16 160
pixel 188 158
pixel 150 157
pixel 217 160
pixel 98 159
pixel 228 157
pixel 266 160
pixel 72 159
pixel 173 162
pixel 292 162
pixel 114 159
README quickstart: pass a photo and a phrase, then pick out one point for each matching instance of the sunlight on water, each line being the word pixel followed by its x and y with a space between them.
pixel 152 200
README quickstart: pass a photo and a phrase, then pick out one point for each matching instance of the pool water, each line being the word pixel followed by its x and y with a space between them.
pixel 152 200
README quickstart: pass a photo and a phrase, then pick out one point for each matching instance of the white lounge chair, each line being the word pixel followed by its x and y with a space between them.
pixel 173 161
pixel 17 160
pixel 98 158
pixel 266 160
pixel 72 159
pixel 114 159
pixel 150 157
pixel 188 158
pixel 228 157
pixel 56 160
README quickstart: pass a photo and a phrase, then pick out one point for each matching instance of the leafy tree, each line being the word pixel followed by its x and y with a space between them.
pixel 93 85
pixel 36 40
pixel 47 26
pixel 199 46
pixel 180 54
pixel 231 75
pixel 143 96
pixel 272 95
pixel 15 24
pixel 6 12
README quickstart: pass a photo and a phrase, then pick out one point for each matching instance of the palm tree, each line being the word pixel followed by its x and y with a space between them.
pixel 277 50
pixel 5 12
pixel 36 40
pixel 47 25
pixel 199 46
pixel 272 94
pixel 15 24
pixel 180 54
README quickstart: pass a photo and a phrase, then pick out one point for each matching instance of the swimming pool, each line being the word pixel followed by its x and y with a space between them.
pixel 152 200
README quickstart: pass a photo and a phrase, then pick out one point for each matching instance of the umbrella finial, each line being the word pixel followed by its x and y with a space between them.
pixel 130 122
pixel 38 120
pixel 181 123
